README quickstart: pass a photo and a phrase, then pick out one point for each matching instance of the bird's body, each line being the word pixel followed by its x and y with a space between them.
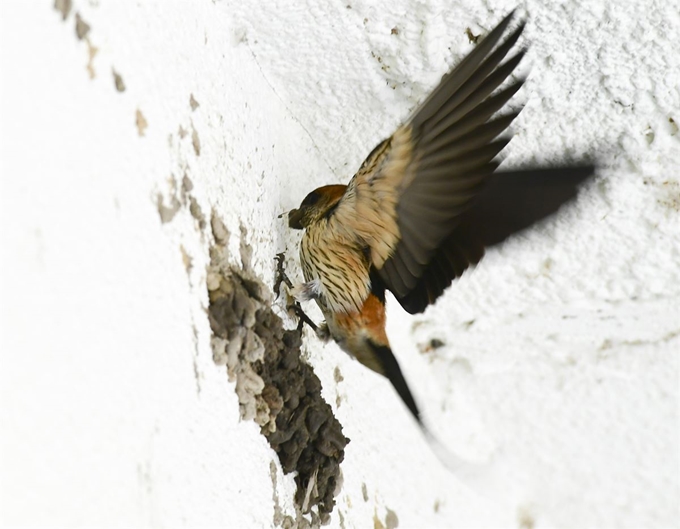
pixel 422 207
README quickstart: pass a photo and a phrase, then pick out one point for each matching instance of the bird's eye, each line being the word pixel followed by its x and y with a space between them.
pixel 311 199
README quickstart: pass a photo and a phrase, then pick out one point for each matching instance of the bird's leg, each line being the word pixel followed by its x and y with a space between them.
pixel 281 277
pixel 297 309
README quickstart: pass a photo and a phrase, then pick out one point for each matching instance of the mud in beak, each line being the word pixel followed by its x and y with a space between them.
pixel 294 219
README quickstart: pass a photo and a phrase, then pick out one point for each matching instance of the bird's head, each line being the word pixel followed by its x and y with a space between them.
pixel 315 205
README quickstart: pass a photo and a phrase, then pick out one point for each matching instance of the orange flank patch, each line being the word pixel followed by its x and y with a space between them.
pixel 371 320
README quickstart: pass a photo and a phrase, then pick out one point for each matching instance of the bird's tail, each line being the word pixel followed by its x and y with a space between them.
pixel 486 478
pixel 390 369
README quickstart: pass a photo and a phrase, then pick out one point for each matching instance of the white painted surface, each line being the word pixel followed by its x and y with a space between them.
pixel 113 412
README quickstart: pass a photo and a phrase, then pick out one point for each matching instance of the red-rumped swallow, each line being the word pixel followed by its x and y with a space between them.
pixel 423 206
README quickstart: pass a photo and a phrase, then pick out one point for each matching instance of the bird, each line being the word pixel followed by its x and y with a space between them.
pixel 424 206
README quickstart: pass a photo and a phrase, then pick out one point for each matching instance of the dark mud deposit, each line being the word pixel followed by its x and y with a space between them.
pixel 275 387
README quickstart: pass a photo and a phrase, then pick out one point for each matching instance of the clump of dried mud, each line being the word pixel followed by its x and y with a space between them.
pixel 275 387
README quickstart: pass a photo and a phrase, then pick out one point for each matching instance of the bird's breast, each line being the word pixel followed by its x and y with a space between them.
pixel 339 264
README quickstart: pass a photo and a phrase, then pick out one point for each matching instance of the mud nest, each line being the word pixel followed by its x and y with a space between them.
pixel 275 387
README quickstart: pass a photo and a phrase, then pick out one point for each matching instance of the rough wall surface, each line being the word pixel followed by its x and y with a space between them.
pixel 127 125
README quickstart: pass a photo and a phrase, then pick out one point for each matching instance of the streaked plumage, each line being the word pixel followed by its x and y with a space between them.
pixel 423 206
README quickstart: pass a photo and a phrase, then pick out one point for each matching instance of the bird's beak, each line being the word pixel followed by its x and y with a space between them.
pixel 294 219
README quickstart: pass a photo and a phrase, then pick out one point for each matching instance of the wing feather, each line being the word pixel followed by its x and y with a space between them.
pixel 453 80
pixel 484 80
pixel 480 136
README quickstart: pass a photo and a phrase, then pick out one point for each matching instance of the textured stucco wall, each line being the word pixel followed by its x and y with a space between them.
pixel 126 125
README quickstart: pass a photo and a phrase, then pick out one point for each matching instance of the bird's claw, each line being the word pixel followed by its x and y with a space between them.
pixel 294 306
pixel 281 276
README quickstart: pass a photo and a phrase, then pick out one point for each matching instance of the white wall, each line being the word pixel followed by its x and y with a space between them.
pixel 561 348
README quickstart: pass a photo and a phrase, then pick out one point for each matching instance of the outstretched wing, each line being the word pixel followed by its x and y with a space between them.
pixel 417 181
pixel 455 139
pixel 452 204
pixel 426 201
